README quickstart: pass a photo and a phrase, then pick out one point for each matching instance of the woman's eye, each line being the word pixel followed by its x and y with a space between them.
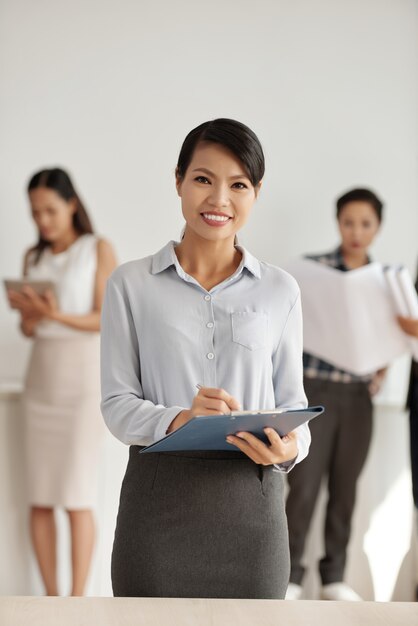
pixel 202 179
pixel 240 186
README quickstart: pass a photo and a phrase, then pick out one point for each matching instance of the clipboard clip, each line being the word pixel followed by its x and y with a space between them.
pixel 235 414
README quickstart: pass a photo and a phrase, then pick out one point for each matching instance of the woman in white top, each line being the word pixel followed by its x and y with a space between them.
pixel 204 312
pixel 61 398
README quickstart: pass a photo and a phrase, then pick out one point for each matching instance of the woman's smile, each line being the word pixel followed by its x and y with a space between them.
pixel 215 219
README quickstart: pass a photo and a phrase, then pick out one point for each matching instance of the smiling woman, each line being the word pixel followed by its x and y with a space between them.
pixel 204 524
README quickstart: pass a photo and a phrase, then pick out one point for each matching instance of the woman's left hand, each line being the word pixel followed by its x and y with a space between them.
pixel 30 304
pixel 280 450
pixel 409 325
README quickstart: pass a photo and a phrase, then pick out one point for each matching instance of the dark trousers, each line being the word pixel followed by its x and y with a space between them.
pixel 340 442
pixel 413 423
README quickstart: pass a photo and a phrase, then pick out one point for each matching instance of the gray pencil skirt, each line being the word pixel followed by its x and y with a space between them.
pixel 200 525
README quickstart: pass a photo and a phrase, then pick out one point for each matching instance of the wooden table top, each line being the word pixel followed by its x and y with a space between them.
pixel 41 611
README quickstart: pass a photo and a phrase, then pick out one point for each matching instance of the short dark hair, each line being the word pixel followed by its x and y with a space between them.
pixel 59 180
pixel 361 195
pixel 235 136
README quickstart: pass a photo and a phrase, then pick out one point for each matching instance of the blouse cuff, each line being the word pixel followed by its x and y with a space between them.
pixel 284 468
pixel 165 421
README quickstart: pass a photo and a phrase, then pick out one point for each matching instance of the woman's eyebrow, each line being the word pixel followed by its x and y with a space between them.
pixel 206 171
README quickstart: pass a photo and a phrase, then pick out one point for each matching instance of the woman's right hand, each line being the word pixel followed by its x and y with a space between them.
pixel 28 324
pixel 209 401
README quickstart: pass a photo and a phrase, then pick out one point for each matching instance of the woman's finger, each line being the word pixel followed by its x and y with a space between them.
pixel 276 441
pixel 221 394
pixel 29 292
pixel 14 296
pixel 50 298
pixel 20 302
pixel 212 404
pixel 245 447
pixel 409 325
pixel 261 448
pixel 273 437
pixel 282 449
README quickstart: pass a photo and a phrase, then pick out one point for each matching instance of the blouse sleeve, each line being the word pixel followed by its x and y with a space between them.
pixel 288 377
pixel 129 417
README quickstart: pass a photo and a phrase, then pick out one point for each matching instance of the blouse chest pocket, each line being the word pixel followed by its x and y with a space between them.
pixel 249 329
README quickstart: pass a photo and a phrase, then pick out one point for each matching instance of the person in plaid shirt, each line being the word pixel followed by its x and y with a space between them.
pixel 410 326
pixel 341 438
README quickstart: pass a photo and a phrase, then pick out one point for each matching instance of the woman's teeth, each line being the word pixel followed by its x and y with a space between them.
pixel 215 218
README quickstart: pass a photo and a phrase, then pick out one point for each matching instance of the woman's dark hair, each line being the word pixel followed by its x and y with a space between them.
pixel 58 180
pixel 235 136
pixel 361 195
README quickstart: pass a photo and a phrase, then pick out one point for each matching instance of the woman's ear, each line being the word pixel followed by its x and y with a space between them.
pixel 73 203
pixel 257 188
pixel 179 180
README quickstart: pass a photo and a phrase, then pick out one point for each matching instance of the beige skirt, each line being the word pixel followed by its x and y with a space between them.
pixel 63 425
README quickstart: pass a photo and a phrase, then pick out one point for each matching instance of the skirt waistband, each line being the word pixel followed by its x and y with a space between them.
pixel 194 454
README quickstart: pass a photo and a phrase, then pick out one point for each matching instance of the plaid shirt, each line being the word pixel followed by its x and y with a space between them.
pixel 314 367
pixel 415 363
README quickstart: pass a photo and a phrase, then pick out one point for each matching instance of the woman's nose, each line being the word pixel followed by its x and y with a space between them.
pixel 42 220
pixel 219 197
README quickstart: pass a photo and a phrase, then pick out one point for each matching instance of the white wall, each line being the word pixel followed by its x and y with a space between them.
pixel 109 90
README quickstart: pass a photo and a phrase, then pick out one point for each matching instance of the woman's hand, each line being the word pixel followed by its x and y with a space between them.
pixel 209 401
pixel 409 325
pixel 212 401
pixel 31 305
pixel 376 382
pixel 29 324
pixel 280 450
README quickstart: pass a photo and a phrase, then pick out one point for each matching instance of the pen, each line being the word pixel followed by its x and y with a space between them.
pixel 199 386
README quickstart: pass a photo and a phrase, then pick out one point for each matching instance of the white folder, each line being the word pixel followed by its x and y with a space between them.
pixel 349 318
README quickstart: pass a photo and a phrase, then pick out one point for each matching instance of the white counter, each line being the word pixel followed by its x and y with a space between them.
pixel 184 612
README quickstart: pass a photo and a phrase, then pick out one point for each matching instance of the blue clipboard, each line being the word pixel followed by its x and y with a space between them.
pixel 209 432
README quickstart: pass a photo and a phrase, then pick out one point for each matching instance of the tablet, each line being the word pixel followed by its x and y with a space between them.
pixel 39 286
pixel 209 432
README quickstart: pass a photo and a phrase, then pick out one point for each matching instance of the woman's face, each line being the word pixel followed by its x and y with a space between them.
pixel 52 214
pixel 358 224
pixel 216 193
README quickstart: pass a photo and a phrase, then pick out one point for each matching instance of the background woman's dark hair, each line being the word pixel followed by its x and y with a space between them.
pixel 235 136
pixel 58 180
pixel 361 195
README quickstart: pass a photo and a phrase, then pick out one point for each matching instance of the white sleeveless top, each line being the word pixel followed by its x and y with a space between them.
pixel 73 272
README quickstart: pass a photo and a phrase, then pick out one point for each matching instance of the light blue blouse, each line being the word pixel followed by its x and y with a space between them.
pixel 163 333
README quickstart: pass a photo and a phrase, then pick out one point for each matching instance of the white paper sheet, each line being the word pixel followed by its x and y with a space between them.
pixel 391 275
pixel 407 289
pixel 349 318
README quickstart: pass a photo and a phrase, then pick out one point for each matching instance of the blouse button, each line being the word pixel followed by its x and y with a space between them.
pixel 207 298
pixel 209 325
pixel 210 356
